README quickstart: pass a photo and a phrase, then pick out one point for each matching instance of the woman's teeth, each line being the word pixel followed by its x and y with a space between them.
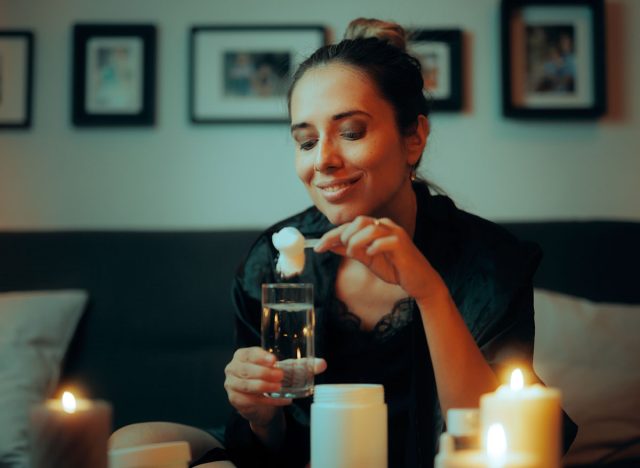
pixel 335 188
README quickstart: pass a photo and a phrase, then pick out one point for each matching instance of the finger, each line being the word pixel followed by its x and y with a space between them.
pixel 338 249
pixel 355 226
pixel 319 366
pixel 358 243
pixel 383 245
pixel 329 239
pixel 272 401
pixel 244 401
pixel 255 355
pixel 244 370
pixel 388 223
pixel 255 386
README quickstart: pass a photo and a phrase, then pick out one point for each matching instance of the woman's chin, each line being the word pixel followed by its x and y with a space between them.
pixel 338 216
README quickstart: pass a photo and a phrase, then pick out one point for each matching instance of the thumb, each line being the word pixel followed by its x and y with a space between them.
pixel 319 365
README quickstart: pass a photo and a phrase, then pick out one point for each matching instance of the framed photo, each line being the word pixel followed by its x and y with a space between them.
pixel 114 75
pixel 242 73
pixel 16 78
pixel 553 58
pixel 440 54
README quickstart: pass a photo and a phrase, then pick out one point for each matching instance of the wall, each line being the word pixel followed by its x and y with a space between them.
pixel 177 175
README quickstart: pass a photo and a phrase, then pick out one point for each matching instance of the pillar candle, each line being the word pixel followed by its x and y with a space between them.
pixel 70 434
pixel 531 417
pixel 493 455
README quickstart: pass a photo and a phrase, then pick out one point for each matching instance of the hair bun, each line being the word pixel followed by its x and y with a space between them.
pixel 362 28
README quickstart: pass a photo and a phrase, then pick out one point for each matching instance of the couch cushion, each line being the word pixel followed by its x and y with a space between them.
pixel 159 328
pixel 35 329
pixel 591 351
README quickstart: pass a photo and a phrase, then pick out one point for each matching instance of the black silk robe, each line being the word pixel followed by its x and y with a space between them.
pixel 489 275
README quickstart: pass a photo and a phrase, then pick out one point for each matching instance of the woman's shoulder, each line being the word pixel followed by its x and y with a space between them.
pixel 478 244
pixel 476 232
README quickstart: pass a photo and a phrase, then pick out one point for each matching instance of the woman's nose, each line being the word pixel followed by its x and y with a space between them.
pixel 328 156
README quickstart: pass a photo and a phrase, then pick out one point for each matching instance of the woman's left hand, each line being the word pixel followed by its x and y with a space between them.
pixel 387 250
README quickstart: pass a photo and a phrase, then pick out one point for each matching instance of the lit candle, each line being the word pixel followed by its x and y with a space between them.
pixel 70 433
pixel 531 418
pixel 495 454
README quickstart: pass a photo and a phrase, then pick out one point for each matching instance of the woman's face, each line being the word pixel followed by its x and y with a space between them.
pixel 349 152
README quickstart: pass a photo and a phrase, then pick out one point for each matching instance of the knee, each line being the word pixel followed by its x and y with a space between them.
pixel 140 434
pixel 158 432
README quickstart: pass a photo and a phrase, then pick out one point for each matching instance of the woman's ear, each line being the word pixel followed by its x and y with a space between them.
pixel 417 140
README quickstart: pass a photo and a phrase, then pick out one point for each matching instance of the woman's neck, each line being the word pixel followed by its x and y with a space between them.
pixel 402 209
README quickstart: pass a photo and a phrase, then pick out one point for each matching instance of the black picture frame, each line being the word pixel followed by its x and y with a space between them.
pixel 240 73
pixel 16 78
pixel 114 75
pixel 553 59
pixel 440 54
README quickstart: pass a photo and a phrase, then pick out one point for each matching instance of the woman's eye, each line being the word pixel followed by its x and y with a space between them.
pixel 353 135
pixel 307 145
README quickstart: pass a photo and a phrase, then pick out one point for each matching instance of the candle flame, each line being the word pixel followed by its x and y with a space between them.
pixel 68 402
pixel 496 441
pixel 517 380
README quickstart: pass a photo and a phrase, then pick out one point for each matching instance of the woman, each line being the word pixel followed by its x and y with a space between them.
pixel 411 292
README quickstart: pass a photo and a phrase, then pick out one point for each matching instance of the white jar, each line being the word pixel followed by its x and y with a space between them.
pixel 164 455
pixel 349 426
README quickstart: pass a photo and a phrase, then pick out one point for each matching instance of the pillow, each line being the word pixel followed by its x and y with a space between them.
pixel 35 330
pixel 591 351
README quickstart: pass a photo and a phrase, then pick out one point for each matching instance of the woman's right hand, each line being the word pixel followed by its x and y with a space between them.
pixel 249 375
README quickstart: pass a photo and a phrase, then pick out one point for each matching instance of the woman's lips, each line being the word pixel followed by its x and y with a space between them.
pixel 336 190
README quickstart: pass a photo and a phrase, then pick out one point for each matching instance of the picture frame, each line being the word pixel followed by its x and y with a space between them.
pixel 553 59
pixel 114 75
pixel 241 73
pixel 16 78
pixel 440 54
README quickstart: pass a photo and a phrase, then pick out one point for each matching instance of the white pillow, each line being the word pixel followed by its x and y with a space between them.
pixel 591 351
pixel 35 330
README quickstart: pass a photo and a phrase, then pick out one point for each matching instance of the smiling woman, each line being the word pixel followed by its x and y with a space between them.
pixel 410 292
pixel 350 155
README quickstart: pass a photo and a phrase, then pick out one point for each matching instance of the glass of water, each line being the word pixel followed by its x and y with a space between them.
pixel 287 329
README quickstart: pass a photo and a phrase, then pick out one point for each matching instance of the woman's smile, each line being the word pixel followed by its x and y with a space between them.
pixel 337 190
pixel 350 154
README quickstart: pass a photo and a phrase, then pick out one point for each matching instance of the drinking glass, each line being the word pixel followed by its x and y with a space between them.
pixel 287 330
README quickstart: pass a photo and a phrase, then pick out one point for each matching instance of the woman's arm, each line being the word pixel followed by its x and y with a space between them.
pixel 462 374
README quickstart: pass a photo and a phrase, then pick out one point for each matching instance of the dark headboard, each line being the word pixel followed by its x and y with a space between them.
pixel 158 329
pixel 597 260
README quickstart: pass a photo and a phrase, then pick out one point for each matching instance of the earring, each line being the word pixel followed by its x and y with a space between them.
pixel 413 174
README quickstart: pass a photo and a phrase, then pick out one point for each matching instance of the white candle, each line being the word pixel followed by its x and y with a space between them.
pixel 495 454
pixel 70 433
pixel 531 417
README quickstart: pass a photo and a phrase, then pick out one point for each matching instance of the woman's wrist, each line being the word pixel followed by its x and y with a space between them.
pixel 434 293
pixel 272 433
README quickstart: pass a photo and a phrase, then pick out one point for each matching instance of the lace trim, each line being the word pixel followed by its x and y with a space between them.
pixel 390 324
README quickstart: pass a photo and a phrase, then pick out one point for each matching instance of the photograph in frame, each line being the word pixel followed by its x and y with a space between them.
pixel 440 54
pixel 553 62
pixel 114 75
pixel 242 73
pixel 16 78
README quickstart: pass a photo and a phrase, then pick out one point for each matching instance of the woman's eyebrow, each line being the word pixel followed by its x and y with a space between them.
pixel 299 126
pixel 344 115
pixel 340 116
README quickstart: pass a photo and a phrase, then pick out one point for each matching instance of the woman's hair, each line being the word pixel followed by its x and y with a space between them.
pixel 377 48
